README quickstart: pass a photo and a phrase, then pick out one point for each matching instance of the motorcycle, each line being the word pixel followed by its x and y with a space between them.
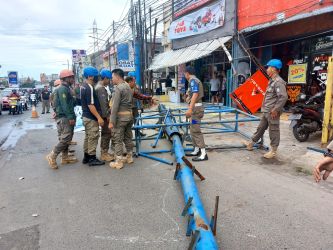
pixel 307 117
pixel 24 103
pixel 33 100
pixel 15 106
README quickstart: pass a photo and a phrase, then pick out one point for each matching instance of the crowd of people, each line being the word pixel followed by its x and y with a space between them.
pixel 116 112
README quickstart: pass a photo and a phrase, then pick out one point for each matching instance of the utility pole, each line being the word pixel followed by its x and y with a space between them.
pixel 150 73
pixel 141 46
pixel 146 45
pixel 95 37
pixel 114 40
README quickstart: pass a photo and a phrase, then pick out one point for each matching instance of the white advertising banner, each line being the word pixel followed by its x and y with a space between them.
pixel 199 22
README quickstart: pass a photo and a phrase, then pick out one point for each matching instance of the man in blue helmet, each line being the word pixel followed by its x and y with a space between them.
pixel 104 99
pixel 92 119
pixel 275 98
pixel 195 112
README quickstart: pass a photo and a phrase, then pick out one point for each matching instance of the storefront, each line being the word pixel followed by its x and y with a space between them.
pixel 301 37
pixel 201 33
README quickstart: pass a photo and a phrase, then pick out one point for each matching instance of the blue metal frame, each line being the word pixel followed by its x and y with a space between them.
pixel 179 121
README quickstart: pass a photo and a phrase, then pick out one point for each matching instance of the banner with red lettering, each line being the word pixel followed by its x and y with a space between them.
pixel 250 95
pixel 199 22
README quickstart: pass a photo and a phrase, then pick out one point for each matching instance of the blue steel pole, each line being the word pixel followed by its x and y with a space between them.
pixel 196 211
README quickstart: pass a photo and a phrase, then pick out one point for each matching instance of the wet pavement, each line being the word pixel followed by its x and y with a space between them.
pixel 263 204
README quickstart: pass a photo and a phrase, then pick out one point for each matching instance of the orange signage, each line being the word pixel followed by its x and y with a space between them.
pixel 250 95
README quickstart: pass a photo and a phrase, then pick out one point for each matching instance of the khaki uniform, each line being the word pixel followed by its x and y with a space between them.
pixel 275 98
pixel 122 118
pixel 64 109
pixel 103 98
pixel 197 112
pixel 91 136
pixel 89 97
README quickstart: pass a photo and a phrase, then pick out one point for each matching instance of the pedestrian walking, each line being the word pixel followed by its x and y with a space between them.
pixel 214 88
pixel 121 119
pixel 103 98
pixel 275 98
pixel 65 118
pixel 196 113
pixel 45 100
pixel 92 119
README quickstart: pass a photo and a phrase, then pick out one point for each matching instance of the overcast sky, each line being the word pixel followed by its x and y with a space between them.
pixel 37 36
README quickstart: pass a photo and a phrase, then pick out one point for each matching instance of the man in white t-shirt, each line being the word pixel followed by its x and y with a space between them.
pixel 214 88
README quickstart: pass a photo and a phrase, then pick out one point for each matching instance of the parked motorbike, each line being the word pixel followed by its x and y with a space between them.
pixel 307 117
pixel 15 106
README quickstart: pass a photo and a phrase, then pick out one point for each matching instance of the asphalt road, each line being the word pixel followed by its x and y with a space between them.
pixel 263 204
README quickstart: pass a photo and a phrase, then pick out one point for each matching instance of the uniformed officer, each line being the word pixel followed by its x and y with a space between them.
pixel 103 98
pixel 274 101
pixel 65 118
pixel 121 119
pixel 91 113
pixel 130 79
pixel 45 100
pixel 56 85
pixel 195 112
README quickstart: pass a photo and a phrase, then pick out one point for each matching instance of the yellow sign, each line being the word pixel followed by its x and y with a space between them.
pixel 297 73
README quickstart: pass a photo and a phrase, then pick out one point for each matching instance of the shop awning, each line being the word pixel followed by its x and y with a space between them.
pixel 187 54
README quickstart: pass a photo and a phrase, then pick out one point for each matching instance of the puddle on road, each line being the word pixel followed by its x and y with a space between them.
pixel 20 129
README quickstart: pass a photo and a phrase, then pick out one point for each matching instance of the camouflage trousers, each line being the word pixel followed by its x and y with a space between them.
pixel 65 134
pixel 122 134
pixel 91 136
pixel 195 130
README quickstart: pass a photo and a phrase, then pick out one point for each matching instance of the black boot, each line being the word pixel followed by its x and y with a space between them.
pixel 93 161
pixel 192 154
pixel 86 158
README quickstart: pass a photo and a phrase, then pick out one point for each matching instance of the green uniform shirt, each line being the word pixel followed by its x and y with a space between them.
pixel 64 102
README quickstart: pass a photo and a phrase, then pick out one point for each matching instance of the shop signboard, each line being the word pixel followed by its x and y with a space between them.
pixel 297 73
pixel 199 22
pixel 182 7
pixel 12 78
pixel 293 92
pixel 250 95
pixel 78 55
pixel 125 56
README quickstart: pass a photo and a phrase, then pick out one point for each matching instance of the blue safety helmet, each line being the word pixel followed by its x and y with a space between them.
pixel 276 63
pixel 105 73
pixel 132 74
pixel 90 71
